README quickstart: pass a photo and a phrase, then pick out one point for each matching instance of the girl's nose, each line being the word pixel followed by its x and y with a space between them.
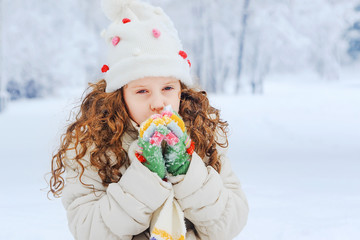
pixel 157 104
pixel 156 109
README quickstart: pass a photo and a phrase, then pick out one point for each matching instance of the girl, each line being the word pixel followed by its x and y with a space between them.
pixel 146 155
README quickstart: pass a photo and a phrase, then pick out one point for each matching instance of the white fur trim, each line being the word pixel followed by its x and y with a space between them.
pixel 133 68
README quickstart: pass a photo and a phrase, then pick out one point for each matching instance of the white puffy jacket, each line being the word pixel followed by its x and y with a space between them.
pixel 214 205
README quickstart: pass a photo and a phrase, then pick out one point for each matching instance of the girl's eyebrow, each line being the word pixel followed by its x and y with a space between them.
pixel 170 82
pixel 138 86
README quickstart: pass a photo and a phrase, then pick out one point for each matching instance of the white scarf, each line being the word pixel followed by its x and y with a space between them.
pixel 168 222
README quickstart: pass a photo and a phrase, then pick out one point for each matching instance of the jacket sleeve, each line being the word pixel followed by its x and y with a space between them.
pixel 120 211
pixel 213 202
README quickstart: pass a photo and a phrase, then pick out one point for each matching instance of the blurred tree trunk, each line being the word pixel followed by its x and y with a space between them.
pixel 1 47
pixel 198 42
pixel 258 69
pixel 211 73
pixel 207 69
pixel 3 98
pixel 243 26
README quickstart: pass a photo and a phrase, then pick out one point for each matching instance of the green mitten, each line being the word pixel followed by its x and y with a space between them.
pixel 152 133
pixel 179 146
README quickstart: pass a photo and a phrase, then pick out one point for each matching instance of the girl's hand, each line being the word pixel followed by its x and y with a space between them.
pixel 149 152
pixel 179 146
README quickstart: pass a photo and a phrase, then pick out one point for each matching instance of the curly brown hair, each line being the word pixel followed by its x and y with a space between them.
pixel 103 119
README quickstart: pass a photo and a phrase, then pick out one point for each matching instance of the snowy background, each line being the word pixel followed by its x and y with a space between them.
pixel 285 74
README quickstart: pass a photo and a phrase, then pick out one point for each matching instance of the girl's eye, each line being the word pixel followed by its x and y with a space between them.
pixel 168 88
pixel 141 91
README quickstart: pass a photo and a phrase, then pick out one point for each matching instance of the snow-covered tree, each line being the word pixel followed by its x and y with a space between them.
pixel 3 94
pixel 232 44
pixel 293 36
pixel 352 34
pixel 50 44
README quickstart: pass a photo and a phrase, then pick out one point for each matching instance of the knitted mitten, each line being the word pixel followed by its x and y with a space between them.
pixel 179 146
pixel 149 152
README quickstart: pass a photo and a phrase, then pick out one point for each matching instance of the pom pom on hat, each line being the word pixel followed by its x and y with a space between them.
pixel 113 9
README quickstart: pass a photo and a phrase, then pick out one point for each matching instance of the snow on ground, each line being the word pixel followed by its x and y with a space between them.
pixel 296 150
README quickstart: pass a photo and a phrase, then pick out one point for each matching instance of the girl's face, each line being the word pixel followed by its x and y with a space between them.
pixel 147 96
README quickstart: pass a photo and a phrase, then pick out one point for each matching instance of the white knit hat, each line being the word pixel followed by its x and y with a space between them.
pixel 142 42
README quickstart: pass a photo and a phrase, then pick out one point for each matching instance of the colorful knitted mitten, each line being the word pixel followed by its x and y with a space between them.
pixel 152 133
pixel 179 146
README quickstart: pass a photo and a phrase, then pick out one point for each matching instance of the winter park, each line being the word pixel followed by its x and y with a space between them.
pixel 284 74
